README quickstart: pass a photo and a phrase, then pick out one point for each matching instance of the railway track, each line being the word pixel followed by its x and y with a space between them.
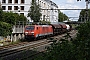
pixel 17 49
pixel 31 57
pixel 71 33
pixel 9 51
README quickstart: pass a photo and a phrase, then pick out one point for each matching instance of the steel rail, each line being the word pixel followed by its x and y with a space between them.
pixel 20 48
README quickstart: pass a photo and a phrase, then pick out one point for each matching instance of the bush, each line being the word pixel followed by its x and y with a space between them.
pixel 5 29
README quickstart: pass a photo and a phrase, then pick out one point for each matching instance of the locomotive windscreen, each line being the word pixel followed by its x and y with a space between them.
pixel 30 28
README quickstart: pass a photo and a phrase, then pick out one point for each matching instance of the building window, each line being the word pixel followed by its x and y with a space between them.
pixel 22 1
pixel 15 1
pixel 22 14
pixel 44 5
pixel 15 7
pixel 22 7
pixel 9 7
pixel 9 1
pixel 43 17
pixel 48 6
pixel 4 7
pixel 3 1
pixel 55 10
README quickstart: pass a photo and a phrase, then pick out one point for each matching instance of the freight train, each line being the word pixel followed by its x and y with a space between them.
pixel 38 31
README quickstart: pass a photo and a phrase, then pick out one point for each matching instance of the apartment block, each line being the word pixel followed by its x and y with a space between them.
pixel 22 7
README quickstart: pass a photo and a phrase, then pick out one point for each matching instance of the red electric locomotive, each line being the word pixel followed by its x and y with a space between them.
pixel 36 31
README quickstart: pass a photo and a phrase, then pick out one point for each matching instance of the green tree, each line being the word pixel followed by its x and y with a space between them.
pixel 34 11
pixel 11 18
pixel 5 29
pixel 82 42
pixel 62 17
pixel 22 18
pixel 83 15
pixel 1 14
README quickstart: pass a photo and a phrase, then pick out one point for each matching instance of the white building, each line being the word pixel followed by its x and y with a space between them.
pixel 22 7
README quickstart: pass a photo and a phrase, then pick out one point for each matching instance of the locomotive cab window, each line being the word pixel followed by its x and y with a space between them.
pixel 30 28
pixel 37 28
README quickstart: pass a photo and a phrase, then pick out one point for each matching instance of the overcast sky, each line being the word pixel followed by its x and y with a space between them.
pixel 72 4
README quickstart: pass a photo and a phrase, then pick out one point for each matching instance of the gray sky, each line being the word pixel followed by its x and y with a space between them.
pixel 72 4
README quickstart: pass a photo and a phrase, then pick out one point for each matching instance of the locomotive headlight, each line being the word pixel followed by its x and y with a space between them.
pixel 26 32
pixel 32 33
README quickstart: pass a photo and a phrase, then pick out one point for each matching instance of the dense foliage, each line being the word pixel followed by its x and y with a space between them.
pixel 7 20
pixel 1 14
pixel 11 18
pixel 84 15
pixel 5 29
pixel 34 11
pixel 62 17
pixel 75 49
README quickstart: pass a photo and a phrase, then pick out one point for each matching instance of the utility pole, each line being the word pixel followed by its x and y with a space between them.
pixel 87 2
pixel 0 4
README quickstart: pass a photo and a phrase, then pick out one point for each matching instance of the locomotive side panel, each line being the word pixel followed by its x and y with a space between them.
pixel 36 32
pixel 50 29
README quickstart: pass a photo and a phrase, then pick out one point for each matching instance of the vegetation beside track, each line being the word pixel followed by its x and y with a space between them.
pixel 7 20
pixel 75 49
